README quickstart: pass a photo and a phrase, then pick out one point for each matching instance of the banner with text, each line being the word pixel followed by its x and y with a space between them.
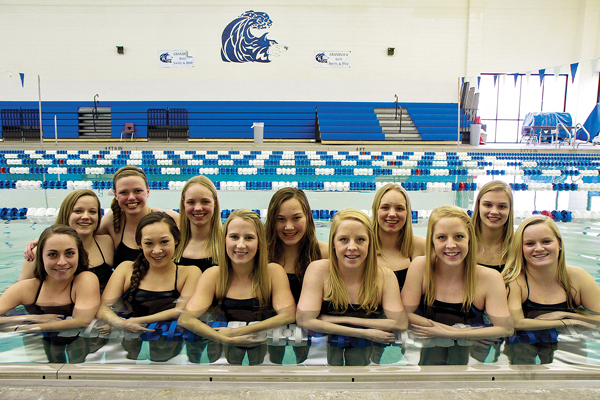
pixel 174 59
pixel 332 59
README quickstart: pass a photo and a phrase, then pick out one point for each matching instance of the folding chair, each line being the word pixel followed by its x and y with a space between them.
pixel 129 130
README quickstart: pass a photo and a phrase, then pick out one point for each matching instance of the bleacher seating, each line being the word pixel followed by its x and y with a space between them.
pixel 337 121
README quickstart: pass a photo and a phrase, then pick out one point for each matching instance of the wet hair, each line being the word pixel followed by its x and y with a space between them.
pixel 261 288
pixel 68 204
pixel 123 172
pixel 309 245
pixel 141 264
pixel 516 264
pixel 214 239
pixel 405 237
pixel 369 291
pixel 470 261
pixel 82 262
pixel 507 231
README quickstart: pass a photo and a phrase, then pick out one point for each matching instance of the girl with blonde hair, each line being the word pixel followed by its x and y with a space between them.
pixel 449 287
pixel 545 293
pixel 200 224
pixel 493 223
pixel 350 291
pixel 245 287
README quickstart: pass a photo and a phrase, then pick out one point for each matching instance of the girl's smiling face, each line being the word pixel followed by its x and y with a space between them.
pixel 450 241
pixel 158 244
pixel 241 242
pixel 131 194
pixel 60 257
pixel 84 216
pixel 199 205
pixel 291 222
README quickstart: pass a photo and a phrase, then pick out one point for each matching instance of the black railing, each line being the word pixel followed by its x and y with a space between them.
pixel 397 107
pixel 20 123
pixel 168 123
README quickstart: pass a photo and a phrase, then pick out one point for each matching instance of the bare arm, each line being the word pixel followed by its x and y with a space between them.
pixel 413 291
pixel 516 310
pixel 28 268
pixel 309 309
pixel 589 291
pixel 199 303
pixel 396 318
pixel 115 288
pixel 190 276
pixel 283 304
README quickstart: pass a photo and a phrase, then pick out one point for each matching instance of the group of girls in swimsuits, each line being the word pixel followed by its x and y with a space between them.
pixel 470 279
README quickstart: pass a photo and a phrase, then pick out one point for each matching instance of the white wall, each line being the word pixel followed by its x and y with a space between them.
pixel 71 45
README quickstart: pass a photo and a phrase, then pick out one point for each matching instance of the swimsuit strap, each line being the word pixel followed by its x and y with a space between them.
pixel 38 292
pixel 176 271
pixel 123 231
pixel 100 250
pixel 527 283
pixel 37 295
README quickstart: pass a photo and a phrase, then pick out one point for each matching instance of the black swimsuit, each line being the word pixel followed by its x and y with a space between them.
pixel 123 252
pixel 245 310
pixel 202 263
pixel 401 275
pixel 102 271
pixel 148 302
pixel 532 309
pixel 450 313
pixel 498 268
pixel 65 310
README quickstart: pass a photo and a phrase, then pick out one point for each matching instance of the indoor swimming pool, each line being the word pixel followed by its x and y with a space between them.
pixel 432 180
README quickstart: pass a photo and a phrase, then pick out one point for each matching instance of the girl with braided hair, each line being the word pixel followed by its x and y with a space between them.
pixel 154 288
pixel 129 206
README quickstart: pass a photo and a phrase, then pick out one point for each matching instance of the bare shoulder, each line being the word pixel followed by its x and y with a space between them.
pixel 318 267
pixel 125 268
pixel 578 275
pixel 418 246
pixel 385 273
pixel 324 247
pixel 418 264
pixel 487 274
pixel 211 273
pixel 189 270
pixel 275 269
pixel 85 279
pixel 104 240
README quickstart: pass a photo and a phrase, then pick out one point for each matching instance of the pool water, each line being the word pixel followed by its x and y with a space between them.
pixel 583 348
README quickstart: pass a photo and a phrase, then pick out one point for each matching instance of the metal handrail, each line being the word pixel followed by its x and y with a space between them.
pixel 400 124
pixel 577 127
pixel 558 142
pixel 95 112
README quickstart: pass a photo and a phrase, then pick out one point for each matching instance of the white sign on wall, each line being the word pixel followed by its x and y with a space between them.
pixel 174 59
pixel 332 59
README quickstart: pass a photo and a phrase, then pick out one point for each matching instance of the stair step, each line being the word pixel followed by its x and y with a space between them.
pixel 402 136
pixel 396 123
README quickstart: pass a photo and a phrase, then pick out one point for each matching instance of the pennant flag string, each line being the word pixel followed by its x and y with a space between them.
pixel 542 73
pixel 574 71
